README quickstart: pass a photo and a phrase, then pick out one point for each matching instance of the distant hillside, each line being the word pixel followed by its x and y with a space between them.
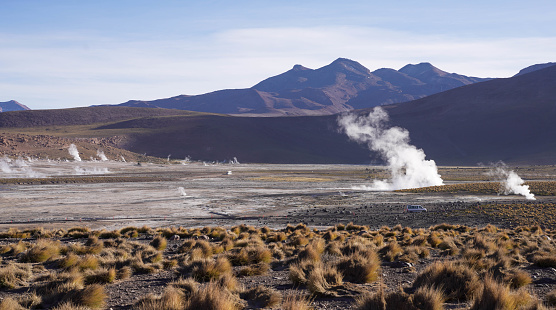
pixel 535 68
pixel 79 116
pixel 341 86
pixel 504 119
pixel 12 105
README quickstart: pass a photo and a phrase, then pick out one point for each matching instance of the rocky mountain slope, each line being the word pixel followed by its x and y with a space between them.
pixel 12 105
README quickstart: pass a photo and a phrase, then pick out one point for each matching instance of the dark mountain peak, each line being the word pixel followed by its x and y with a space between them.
pixel 12 105
pixel 344 64
pixel 299 68
pixel 424 68
pixel 439 80
pixel 535 68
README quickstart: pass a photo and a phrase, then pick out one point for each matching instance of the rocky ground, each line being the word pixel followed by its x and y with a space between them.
pixel 210 194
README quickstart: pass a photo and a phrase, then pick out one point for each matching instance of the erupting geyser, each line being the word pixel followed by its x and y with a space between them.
pixel 101 155
pixel 511 183
pixel 407 164
pixel 72 149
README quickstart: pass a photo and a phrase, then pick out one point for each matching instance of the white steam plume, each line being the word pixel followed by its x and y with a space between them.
pixel 5 165
pixel 406 163
pixel 101 155
pixel 511 183
pixel 85 171
pixel 72 149
pixel 182 192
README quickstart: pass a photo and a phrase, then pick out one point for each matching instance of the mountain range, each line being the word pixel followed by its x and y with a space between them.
pixel 341 86
pixel 509 119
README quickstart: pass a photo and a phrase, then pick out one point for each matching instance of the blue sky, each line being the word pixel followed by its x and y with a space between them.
pixel 59 54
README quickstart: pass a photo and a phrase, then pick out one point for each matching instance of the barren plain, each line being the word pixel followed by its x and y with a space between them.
pixel 184 198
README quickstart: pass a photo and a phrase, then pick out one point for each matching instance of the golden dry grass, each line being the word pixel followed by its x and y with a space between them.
pixel 338 260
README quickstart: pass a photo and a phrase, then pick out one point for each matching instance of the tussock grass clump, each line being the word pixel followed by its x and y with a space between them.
pixel 211 296
pixel 14 249
pixel 14 275
pixel 171 299
pixel 209 269
pixel 428 298
pixel 457 281
pixel 140 267
pixel 42 251
pixel 425 298
pixel 30 300
pixel 92 296
pixel 186 285
pixel 517 278
pixel 298 272
pixel 69 306
pixel 296 302
pixel 124 273
pixel 382 300
pixel 391 251
pixel 262 297
pixel 359 269
pixel 551 298
pixel 9 303
pixel 101 276
pixel 254 270
pixel 545 260
pixel 69 261
pixel 494 295
pixel 88 262
pixel 323 277
pixel 159 243
pixel 109 234
pixel 251 255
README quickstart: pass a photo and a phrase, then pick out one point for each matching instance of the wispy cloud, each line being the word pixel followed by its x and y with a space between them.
pixel 68 69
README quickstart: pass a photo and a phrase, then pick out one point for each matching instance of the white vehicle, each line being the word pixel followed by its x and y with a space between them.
pixel 415 208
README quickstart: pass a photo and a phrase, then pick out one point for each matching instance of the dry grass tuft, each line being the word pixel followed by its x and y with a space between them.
pixel 69 306
pixel 359 268
pixel 9 303
pixel 14 275
pixel 518 278
pixel 254 270
pixel 322 278
pixel 42 251
pixel 92 296
pixel 262 297
pixel 457 281
pixel 296 302
pixel 551 299
pixel 210 297
pixel 494 295
pixel 428 298
pixel 101 276
pixel 545 260
pixel 159 243
pixel 209 269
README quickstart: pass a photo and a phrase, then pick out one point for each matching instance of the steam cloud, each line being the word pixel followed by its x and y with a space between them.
pixel 511 183
pixel 182 192
pixel 406 163
pixel 72 149
pixel 101 155
pixel 18 168
pixel 85 171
